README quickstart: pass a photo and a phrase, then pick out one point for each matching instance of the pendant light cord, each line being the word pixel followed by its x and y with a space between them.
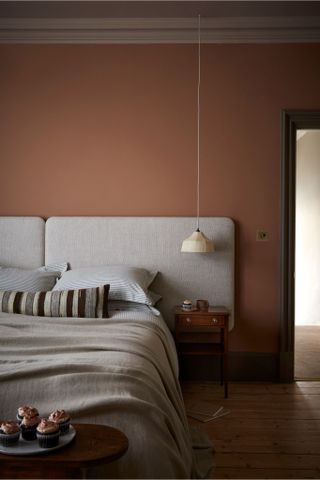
pixel 198 136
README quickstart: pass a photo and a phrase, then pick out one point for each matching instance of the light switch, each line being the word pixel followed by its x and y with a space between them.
pixel 262 236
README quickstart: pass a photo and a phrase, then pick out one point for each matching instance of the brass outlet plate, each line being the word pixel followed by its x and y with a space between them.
pixel 262 235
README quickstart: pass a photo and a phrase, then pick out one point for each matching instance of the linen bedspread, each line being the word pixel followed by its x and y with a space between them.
pixel 121 371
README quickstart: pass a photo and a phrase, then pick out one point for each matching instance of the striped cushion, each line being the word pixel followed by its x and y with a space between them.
pixel 89 303
pixel 22 280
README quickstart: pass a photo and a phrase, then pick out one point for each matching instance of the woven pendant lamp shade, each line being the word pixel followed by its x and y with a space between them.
pixel 197 243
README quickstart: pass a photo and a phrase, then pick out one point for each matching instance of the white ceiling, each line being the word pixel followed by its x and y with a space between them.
pixel 157 21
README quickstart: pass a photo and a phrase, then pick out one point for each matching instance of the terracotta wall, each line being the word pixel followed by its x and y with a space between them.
pixel 111 130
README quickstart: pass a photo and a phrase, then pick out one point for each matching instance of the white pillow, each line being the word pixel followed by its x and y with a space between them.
pixel 126 283
pixel 22 280
pixel 55 267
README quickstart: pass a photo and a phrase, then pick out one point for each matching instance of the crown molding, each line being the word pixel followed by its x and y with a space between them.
pixel 160 30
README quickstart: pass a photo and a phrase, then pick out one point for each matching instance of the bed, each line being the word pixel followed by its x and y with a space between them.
pixel 121 370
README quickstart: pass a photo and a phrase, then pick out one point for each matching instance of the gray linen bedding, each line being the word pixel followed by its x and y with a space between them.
pixel 120 371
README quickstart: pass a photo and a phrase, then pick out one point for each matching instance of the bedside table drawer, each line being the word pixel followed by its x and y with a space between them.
pixel 200 320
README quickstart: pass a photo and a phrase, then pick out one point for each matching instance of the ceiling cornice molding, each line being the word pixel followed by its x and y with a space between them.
pixel 160 30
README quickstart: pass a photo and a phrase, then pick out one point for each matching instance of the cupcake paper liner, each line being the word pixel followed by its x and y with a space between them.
pixel 29 433
pixel 48 440
pixel 8 440
pixel 64 427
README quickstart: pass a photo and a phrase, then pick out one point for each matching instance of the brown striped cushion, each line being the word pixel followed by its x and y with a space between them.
pixel 86 302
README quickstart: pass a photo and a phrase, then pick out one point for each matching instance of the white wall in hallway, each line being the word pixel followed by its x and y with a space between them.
pixel 307 274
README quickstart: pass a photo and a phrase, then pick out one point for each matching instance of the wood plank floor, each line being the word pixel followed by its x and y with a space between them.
pixel 307 352
pixel 272 430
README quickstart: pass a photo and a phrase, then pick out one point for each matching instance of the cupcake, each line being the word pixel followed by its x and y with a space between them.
pixel 62 418
pixel 48 433
pixel 9 433
pixel 29 426
pixel 26 410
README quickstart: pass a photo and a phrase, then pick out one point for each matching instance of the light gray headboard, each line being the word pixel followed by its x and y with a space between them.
pixel 149 242
pixel 152 243
pixel 22 242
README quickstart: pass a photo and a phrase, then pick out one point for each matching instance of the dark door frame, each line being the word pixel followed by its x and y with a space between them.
pixel 292 120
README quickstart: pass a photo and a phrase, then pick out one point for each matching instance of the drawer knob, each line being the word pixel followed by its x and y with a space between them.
pixel 214 320
pixel 188 319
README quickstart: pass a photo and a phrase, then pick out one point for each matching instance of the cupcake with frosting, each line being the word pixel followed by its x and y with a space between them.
pixel 47 433
pixel 26 410
pixel 61 418
pixel 9 433
pixel 29 426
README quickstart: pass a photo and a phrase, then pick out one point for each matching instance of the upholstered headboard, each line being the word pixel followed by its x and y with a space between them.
pixel 152 243
pixel 149 242
pixel 22 242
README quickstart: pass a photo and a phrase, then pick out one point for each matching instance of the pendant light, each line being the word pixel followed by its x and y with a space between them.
pixel 198 242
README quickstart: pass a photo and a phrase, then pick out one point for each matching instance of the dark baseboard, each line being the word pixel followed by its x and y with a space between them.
pixel 286 370
pixel 243 366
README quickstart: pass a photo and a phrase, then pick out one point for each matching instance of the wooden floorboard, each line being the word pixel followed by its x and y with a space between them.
pixel 257 473
pixel 307 352
pixel 272 430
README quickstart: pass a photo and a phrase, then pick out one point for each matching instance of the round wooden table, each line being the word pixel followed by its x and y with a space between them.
pixel 93 445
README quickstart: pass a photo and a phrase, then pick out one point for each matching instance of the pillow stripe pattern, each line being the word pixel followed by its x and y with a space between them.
pixel 126 283
pixel 85 303
pixel 39 279
pixel 55 267
pixel 27 281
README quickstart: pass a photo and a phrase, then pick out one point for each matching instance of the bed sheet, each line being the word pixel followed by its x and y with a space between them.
pixel 121 371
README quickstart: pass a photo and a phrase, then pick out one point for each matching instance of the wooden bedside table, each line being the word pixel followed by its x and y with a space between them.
pixel 201 332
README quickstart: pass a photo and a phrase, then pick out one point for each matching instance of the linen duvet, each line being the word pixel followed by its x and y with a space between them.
pixel 120 371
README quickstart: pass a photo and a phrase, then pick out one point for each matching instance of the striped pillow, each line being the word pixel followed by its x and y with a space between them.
pixel 23 280
pixel 126 283
pixel 88 303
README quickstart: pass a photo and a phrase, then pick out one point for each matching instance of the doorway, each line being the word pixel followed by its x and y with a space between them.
pixel 293 122
pixel 307 257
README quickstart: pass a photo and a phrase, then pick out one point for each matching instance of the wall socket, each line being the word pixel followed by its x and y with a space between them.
pixel 262 235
